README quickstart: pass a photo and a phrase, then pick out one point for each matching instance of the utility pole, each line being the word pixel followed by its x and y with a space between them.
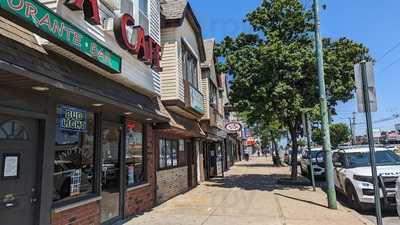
pixel 332 204
pixel 353 129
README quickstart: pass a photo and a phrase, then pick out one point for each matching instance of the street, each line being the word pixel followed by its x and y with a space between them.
pixel 249 194
pixel 389 218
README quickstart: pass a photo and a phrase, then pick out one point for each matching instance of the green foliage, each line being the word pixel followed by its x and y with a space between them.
pixel 274 68
pixel 340 134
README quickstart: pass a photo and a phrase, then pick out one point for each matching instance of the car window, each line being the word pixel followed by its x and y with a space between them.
pixel 336 157
pixel 383 158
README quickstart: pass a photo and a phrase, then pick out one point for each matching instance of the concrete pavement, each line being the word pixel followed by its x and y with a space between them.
pixel 249 194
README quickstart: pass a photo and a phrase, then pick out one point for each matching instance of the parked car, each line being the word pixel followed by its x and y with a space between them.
pixel 317 158
pixel 288 156
pixel 353 176
pixel 398 195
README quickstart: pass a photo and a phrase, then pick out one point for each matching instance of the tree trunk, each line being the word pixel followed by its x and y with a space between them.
pixel 293 135
pixel 275 154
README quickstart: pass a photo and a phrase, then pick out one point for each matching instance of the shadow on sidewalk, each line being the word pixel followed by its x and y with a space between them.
pixel 301 200
pixel 256 165
pixel 262 182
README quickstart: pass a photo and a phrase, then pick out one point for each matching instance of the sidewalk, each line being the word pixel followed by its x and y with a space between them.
pixel 249 194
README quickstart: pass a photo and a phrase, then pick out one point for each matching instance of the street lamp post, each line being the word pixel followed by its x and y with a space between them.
pixel 332 204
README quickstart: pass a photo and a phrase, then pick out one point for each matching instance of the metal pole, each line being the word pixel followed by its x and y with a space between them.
pixel 372 158
pixel 308 131
pixel 353 129
pixel 331 193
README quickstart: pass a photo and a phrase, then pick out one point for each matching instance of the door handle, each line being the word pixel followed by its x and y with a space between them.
pixel 9 204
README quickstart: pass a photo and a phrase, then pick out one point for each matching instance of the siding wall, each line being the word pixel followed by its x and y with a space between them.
pixel 155 33
pixel 172 86
pixel 189 36
pixel 19 34
pixel 169 64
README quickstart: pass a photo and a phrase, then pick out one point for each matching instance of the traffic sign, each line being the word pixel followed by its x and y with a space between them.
pixel 369 69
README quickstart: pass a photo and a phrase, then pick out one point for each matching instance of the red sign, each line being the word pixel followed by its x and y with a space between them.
pixel 250 141
pixel 131 125
pixel 146 49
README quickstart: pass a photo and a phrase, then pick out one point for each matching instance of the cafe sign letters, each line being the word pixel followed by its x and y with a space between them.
pixel 36 17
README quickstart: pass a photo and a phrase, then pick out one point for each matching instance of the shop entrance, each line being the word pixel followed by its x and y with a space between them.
pixel 111 174
pixel 18 168
pixel 191 160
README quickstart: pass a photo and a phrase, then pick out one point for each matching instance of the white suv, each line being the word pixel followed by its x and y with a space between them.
pixel 398 195
pixel 353 176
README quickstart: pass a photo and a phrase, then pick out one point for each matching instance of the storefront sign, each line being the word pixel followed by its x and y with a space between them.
pixel 132 38
pixel 72 119
pixel 233 126
pixel 41 20
pixel 196 100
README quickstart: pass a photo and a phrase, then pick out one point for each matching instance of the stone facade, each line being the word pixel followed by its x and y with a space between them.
pixel 171 182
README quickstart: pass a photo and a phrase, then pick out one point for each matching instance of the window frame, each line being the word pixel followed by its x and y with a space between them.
pixel 189 56
pixel 144 151
pixel 96 163
pixel 178 159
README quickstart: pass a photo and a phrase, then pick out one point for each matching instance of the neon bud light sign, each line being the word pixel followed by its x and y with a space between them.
pixel 146 49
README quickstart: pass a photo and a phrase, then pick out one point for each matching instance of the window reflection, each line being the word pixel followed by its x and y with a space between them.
pixel 135 161
pixel 74 161
pixel 110 186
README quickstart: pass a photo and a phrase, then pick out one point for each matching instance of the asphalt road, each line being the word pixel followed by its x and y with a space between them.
pixel 389 218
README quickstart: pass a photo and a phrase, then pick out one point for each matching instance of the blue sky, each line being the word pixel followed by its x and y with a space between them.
pixel 374 23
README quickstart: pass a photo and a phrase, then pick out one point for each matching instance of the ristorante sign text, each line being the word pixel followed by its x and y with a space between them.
pixel 41 20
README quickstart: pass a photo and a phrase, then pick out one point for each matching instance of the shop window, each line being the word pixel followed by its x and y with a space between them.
pixel 74 163
pixel 135 154
pixel 169 156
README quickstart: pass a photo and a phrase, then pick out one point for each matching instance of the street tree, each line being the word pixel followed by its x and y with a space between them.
pixel 274 68
pixel 340 134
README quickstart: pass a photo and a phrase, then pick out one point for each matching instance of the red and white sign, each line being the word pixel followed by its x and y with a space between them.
pixel 233 126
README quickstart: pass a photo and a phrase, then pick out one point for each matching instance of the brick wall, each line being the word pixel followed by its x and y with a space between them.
pixel 171 183
pixel 88 214
pixel 142 198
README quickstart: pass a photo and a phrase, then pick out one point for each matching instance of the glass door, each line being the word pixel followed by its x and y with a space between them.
pixel 111 174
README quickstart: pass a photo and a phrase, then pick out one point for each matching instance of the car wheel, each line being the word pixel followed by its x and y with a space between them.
pixel 352 197
pixel 303 173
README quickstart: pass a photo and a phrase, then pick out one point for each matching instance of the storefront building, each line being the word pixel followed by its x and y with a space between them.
pixel 213 120
pixel 78 104
pixel 180 140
